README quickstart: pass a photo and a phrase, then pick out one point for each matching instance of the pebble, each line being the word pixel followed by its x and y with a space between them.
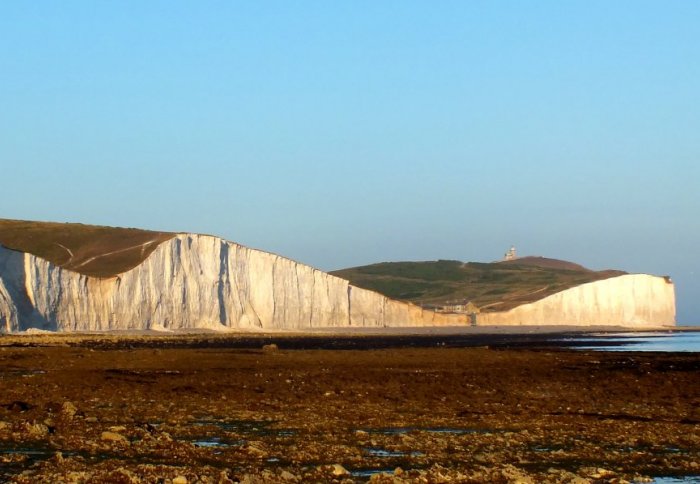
pixel 113 437
pixel 256 451
pixel 58 458
pixel 339 470
pixel 601 473
pixel 68 410
pixel 515 475
pixel 224 478
pixel 579 480
pixel 288 476
pixel 36 429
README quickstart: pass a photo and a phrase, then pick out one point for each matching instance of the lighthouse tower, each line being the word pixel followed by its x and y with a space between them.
pixel 510 255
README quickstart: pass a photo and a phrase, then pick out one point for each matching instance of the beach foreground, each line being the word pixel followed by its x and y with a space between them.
pixel 204 408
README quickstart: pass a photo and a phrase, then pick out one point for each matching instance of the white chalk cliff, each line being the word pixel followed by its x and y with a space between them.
pixel 193 281
pixel 197 281
pixel 627 300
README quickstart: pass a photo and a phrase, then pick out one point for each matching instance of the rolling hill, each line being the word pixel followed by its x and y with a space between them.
pixel 91 250
pixel 75 277
pixel 496 286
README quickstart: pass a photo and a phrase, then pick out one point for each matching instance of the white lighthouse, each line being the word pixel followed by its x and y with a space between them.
pixel 510 255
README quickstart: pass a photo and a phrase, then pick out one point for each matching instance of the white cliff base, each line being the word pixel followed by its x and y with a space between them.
pixel 203 282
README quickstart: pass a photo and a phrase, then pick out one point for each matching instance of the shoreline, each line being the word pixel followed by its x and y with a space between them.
pixel 551 337
pixel 222 408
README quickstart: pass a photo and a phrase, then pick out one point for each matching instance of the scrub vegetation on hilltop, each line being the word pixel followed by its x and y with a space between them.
pixel 100 251
pixel 87 249
pixel 493 286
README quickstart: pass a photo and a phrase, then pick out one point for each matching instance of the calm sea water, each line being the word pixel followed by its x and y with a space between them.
pixel 677 480
pixel 653 341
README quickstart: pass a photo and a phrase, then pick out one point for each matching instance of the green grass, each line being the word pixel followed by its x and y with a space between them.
pixel 491 286
pixel 97 251
pixel 108 251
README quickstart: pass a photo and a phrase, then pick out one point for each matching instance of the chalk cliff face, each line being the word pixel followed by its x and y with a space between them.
pixel 629 300
pixel 197 281
pixel 193 281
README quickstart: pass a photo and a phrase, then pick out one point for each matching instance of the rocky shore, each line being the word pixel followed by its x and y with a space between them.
pixel 194 409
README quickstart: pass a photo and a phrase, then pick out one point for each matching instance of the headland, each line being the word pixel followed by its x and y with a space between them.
pixel 72 277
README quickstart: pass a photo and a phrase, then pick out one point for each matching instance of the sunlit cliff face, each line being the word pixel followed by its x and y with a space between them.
pixel 197 281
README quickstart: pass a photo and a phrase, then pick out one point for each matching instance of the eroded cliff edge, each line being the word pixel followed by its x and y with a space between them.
pixel 197 281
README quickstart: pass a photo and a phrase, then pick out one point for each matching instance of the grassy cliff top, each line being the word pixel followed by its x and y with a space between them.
pixel 88 249
pixel 108 251
pixel 496 286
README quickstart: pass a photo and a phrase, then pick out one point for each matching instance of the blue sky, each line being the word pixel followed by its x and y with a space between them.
pixel 345 133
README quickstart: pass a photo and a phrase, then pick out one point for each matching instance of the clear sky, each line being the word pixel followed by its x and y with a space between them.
pixel 341 133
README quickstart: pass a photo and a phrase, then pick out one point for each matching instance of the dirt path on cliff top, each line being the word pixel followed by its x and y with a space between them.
pixel 102 411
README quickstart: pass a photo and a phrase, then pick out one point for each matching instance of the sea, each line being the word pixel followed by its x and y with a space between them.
pixel 677 480
pixel 671 341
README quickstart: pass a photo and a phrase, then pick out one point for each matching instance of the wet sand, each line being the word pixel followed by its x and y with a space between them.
pixel 477 407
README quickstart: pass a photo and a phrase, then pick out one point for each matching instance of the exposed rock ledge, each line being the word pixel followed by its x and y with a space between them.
pixel 198 281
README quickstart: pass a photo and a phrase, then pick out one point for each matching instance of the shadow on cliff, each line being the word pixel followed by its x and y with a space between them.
pixel 13 275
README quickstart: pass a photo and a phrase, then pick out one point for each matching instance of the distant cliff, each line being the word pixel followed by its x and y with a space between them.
pixel 491 286
pixel 524 291
pixel 70 277
pixel 628 300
